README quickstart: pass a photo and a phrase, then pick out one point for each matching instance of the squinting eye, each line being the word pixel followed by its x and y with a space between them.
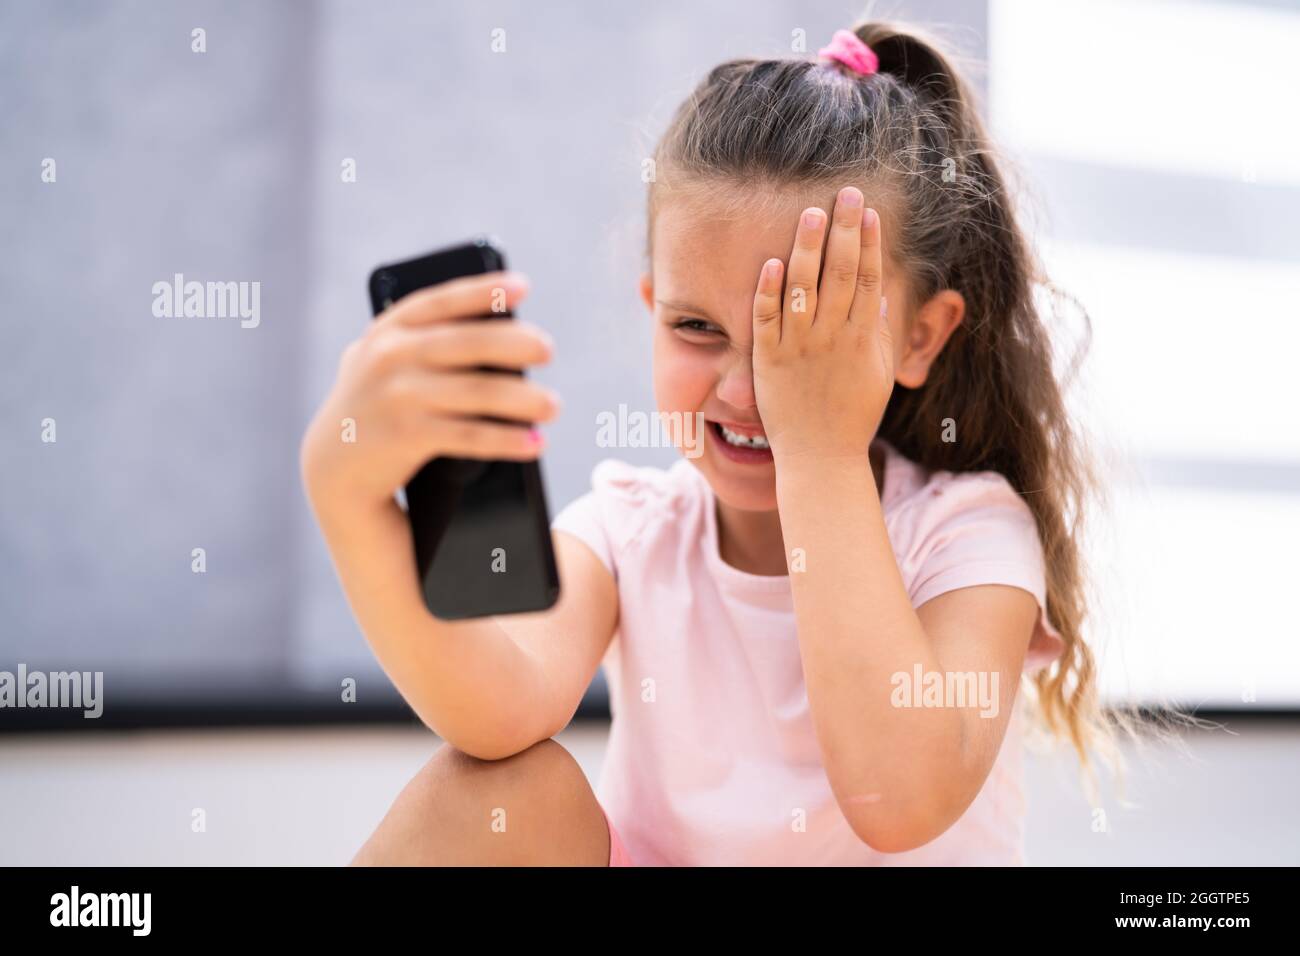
pixel 690 325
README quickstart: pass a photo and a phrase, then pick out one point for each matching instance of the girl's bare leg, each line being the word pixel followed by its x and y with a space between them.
pixel 535 808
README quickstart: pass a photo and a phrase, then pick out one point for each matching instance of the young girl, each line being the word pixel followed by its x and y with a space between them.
pixel 814 628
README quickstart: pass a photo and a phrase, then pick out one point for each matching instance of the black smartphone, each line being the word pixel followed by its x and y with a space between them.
pixel 482 529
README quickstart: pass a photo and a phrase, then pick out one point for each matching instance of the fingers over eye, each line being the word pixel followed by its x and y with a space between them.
pixel 866 298
pixel 843 251
pixel 805 264
pixel 767 305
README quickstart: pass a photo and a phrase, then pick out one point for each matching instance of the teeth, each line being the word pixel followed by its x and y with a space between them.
pixel 758 441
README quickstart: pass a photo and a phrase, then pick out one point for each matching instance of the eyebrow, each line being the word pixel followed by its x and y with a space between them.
pixel 685 307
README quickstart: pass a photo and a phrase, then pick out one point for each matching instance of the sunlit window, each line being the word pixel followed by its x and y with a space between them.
pixel 1192 383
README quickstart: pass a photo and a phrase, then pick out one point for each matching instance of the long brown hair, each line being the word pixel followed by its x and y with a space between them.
pixel 911 137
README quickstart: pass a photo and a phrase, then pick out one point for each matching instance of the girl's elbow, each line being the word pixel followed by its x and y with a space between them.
pixel 896 838
pixel 901 832
pixel 488 748
pixel 482 739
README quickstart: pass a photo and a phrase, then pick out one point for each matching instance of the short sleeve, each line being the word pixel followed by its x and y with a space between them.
pixel 625 503
pixel 602 517
pixel 583 519
pixel 973 529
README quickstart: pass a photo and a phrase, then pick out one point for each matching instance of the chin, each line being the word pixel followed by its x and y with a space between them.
pixel 756 493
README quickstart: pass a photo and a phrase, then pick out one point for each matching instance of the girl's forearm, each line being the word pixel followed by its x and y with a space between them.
pixel 467 680
pixel 887 765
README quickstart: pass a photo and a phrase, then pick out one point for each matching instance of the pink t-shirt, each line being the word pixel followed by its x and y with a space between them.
pixel 712 757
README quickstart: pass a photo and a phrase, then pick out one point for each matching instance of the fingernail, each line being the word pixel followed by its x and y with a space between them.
pixel 850 197
pixel 884 307
pixel 811 218
pixel 868 216
pixel 771 268
pixel 534 437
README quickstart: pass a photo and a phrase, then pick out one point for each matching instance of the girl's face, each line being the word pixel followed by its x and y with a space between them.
pixel 701 296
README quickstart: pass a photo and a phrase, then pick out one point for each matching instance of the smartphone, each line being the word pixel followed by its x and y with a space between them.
pixel 482 529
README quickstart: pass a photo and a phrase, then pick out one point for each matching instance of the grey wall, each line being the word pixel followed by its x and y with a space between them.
pixel 174 434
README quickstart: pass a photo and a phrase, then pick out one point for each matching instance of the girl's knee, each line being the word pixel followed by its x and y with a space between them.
pixel 545 772
pixel 534 807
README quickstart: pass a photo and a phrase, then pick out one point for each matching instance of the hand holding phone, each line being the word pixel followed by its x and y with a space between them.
pixel 433 398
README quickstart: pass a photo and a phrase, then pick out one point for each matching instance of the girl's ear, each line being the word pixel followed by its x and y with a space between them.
pixel 929 332
pixel 648 291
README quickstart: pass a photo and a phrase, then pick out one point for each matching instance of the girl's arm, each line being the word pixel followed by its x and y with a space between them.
pixel 491 687
pixel 826 356
pixel 902 775
pixel 410 390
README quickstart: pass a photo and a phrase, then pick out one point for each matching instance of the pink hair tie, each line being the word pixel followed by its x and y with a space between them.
pixel 847 47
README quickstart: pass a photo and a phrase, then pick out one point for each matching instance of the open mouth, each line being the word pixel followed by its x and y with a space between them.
pixel 740 440
pixel 740 447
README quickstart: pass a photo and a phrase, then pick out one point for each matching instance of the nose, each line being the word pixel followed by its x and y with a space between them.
pixel 736 386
